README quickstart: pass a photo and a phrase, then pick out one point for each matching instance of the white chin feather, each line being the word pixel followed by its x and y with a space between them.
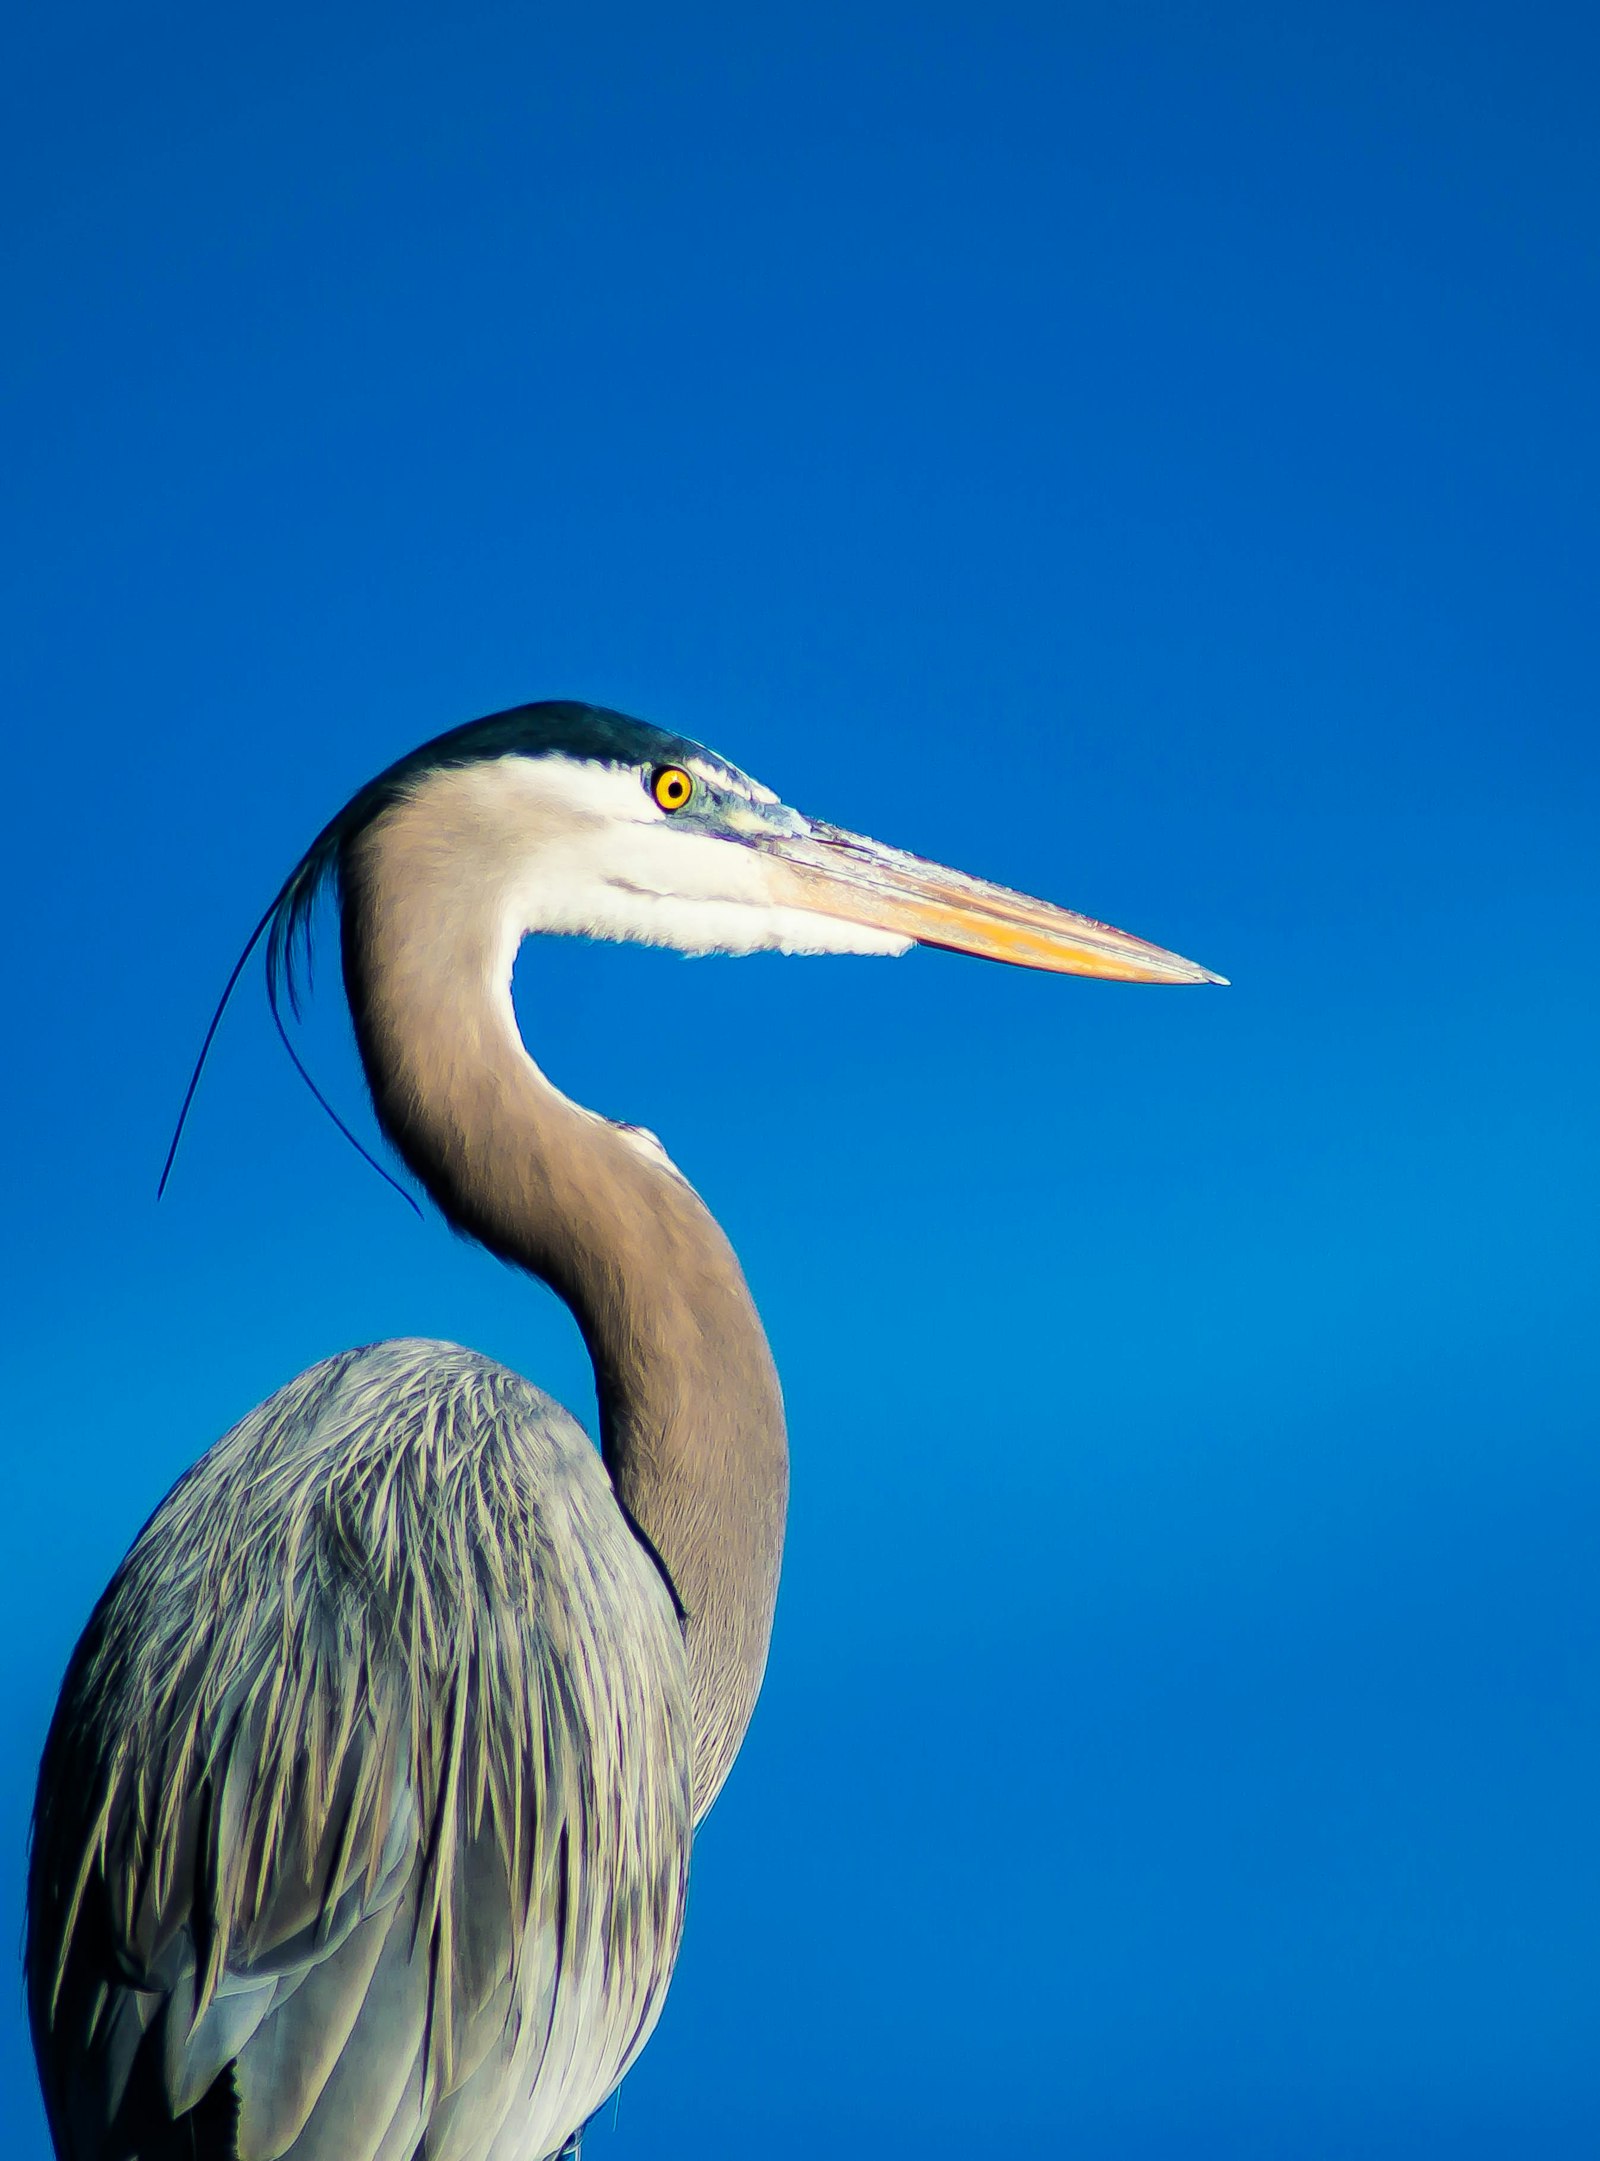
pixel 715 925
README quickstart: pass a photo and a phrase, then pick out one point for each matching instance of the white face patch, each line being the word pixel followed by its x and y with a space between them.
pixel 582 849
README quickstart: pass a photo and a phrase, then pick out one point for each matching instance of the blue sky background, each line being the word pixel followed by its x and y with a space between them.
pixel 1143 453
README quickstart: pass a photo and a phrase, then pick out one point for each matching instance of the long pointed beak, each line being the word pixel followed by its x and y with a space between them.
pixel 831 872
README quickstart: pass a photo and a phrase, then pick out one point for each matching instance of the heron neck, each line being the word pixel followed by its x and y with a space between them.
pixel 691 1416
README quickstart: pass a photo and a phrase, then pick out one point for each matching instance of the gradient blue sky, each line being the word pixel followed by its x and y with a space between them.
pixel 1143 453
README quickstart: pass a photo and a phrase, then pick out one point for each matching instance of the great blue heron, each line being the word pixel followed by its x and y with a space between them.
pixel 364 1820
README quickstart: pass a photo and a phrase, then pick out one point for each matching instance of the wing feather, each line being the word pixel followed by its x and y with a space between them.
pixel 365 1812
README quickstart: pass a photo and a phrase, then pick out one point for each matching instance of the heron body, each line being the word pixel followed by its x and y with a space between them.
pixel 407 1842
pixel 364 1822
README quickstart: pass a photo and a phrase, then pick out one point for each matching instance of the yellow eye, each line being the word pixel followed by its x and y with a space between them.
pixel 671 787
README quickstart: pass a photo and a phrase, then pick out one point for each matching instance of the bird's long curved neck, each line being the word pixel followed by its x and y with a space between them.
pixel 691 1418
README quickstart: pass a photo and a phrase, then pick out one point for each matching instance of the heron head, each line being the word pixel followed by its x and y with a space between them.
pixel 570 818
pixel 594 824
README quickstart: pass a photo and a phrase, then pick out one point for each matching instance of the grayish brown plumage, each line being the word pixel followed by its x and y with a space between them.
pixel 364 1821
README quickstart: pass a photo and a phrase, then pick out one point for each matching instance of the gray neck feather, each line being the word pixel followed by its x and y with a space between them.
pixel 691 1417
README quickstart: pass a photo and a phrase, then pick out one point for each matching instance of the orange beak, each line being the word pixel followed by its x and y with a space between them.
pixel 830 872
